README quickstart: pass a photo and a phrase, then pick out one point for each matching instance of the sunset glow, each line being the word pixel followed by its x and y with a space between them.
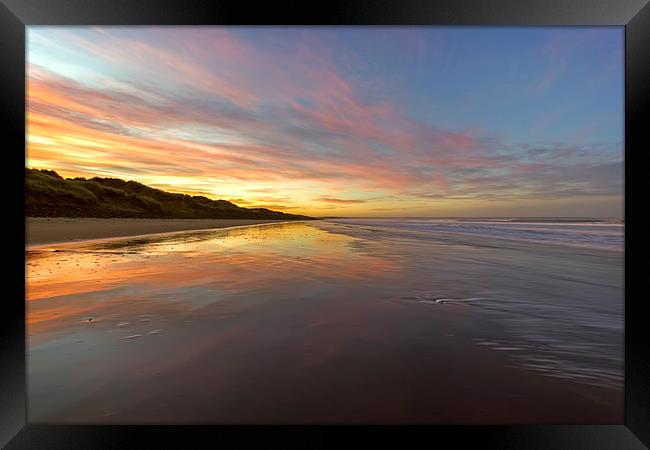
pixel 352 121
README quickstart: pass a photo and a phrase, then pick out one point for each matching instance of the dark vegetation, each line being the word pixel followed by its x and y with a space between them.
pixel 50 195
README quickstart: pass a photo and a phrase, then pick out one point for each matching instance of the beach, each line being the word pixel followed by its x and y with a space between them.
pixel 426 225
pixel 48 230
pixel 346 321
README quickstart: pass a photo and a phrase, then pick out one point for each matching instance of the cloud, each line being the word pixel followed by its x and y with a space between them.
pixel 562 47
pixel 341 201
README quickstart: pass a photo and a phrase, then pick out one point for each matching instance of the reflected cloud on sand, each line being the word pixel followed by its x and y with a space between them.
pixel 323 322
pixel 65 281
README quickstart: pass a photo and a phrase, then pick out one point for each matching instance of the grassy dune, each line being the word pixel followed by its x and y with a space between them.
pixel 50 195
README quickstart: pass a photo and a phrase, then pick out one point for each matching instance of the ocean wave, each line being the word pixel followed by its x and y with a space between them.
pixel 597 234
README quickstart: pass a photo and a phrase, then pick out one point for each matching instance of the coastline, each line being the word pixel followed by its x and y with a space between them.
pixel 55 230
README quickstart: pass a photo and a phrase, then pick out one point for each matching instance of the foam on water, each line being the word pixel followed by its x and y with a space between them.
pixel 553 287
pixel 597 234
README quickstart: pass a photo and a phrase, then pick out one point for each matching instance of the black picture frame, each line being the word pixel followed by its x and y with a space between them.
pixel 15 15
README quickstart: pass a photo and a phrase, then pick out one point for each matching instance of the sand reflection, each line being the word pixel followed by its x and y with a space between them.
pixel 321 322
pixel 70 281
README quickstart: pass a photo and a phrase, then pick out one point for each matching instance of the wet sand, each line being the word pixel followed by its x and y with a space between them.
pixel 48 230
pixel 310 323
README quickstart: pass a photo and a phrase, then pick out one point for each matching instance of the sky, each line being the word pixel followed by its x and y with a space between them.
pixel 339 121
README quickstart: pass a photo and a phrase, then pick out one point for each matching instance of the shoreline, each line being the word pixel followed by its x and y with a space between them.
pixel 41 231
